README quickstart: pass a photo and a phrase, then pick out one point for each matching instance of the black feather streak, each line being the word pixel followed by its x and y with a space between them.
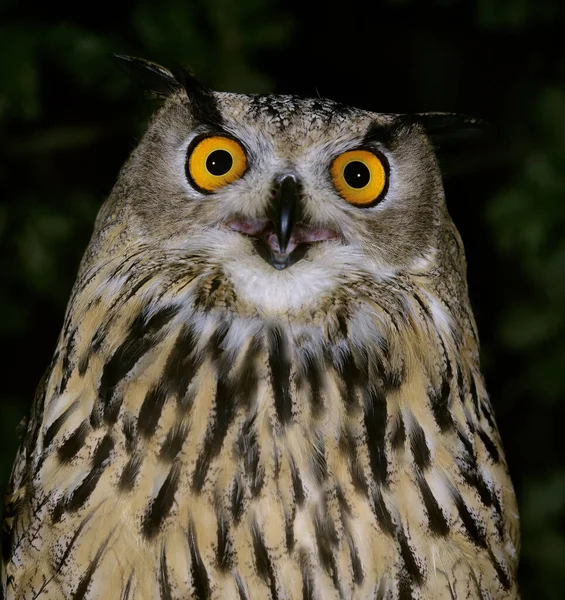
pixel 472 527
pixel 130 473
pixel 410 562
pixel 436 519
pixel 72 445
pixel 419 446
pixel 237 500
pixel 489 445
pixel 141 337
pixel 224 552
pixel 279 363
pixel 200 580
pixel 174 442
pixel 263 561
pixel 326 540
pixel 160 507
pixel 225 410
pixel 375 419
pixel 82 588
pixel 163 577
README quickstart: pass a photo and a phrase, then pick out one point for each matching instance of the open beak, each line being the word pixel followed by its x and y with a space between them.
pixel 282 239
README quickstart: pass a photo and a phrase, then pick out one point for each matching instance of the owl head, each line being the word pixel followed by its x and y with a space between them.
pixel 289 197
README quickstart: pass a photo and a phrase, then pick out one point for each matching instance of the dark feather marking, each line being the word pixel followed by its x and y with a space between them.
pixel 318 459
pixel 174 442
pixel 182 365
pixel 404 588
pixel 55 427
pixel 72 542
pixel 200 580
pixel 84 490
pixel 375 418
pixel 436 519
pixel 350 375
pixel 381 589
pixel 289 530
pixel 487 414
pixel 66 370
pixel 398 433
pixel 419 446
pixel 470 473
pixel 165 589
pixel 215 344
pixel 413 569
pixel 326 540
pixel 474 394
pixel 440 399
pixel 127 589
pixel 467 445
pixel 216 283
pixel 237 500
pixel 160 507
pixel 73 444
pixel 249 454
pixel 151 409
pixel 307 583
pixel 82 588
pixel 111 410
pixel 56 512
pixel 313 372
pixel 500 571
pixel 102 331
pixel 217 431
pixel 489 445
pixel 384 518
pixel 296 483
pixel 348 447
pixel 103 451
pixel 179 370
pixel 472 527
pixel 141 337
pixel 130 473
pixel 279 364
pixel 246 380
pixel 128 426
pixel 356 565
pixel 263 561
pixel 224 549
pixel 240 587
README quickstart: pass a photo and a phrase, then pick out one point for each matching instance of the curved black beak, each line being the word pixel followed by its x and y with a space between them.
pixel 285 212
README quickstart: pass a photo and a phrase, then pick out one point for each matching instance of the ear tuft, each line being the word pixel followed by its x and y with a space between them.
pixel 448 127
pixel 155 78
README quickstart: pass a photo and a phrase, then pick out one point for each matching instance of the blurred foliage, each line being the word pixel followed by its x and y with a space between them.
pixel 69 118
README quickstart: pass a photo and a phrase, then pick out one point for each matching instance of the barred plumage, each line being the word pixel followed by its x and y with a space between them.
pixel 211 427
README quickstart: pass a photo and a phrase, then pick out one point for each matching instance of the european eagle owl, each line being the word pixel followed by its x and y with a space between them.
pixel 267 383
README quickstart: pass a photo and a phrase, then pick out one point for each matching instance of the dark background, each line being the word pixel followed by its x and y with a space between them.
pixel 69 118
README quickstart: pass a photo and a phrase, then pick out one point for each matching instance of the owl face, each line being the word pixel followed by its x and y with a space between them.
pixel 291 197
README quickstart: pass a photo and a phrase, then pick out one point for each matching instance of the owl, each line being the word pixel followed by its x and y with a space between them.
pixel 267 383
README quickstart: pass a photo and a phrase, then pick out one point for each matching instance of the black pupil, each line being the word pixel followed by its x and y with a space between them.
pixel 357 174
pixel 219 162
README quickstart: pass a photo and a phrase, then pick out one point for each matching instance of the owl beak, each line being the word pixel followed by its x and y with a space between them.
pixel 285 212
pixel 281 238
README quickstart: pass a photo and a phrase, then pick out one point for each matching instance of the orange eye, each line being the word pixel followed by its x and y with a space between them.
pixel 214 162
pixel 360 177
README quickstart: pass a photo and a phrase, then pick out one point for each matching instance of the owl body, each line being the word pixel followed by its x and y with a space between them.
pixel 264 389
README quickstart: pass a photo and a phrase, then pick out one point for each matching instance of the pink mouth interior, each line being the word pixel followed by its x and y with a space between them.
pixel 265 230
